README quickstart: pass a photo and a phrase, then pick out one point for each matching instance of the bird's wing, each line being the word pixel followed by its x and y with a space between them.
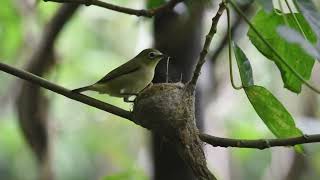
pixel 129 67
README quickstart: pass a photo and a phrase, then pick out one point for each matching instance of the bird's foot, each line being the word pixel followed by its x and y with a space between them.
pixel 127 97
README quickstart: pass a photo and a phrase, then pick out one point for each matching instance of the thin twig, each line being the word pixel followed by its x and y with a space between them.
pixel 230 53
pixel 204 52
pixel 234 27
pixel 260 143
pixel 65 92
pixel 138 12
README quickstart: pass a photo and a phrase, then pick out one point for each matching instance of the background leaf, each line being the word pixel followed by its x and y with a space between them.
pixel 154 3
pixel 10 30
pixel 244 66
pixel 293 54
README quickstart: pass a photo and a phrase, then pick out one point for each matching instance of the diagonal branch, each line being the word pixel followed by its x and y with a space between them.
pixel 212 140
pixel 196 73
pixel 65 92
pixel 234 28
pixel 138 12
pixel 260 143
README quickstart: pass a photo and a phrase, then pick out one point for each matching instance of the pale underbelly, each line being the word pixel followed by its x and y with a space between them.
pixel 125 85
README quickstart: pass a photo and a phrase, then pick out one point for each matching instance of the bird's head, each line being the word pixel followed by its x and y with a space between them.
pixel 151 56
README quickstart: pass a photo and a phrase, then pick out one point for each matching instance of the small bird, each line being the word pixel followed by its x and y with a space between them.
pixel 130 78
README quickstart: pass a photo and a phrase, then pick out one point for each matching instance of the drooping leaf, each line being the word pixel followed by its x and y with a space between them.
pixel 244 66
pixel 266 4
pixel 312 15
pixel 292 36
pixel 293 54
pixel 274 115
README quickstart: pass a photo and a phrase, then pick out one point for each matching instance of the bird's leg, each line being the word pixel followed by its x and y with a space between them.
pixel 127 97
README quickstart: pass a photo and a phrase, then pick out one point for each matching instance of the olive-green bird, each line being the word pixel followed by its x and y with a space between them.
pixel 130 78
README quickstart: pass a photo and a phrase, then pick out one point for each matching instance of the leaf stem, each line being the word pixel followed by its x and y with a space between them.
pixel 295 19
pixel 230 52
pixel 282 13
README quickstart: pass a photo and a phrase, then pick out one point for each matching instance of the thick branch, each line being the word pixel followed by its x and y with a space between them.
pixel 204 52
pixel 65 92
pixel 138 12
pixel 260 143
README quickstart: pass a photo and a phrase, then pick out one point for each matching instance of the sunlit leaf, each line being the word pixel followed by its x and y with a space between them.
pixel 310 13
pixel 274 115
pixel 293 54
pixel 244 66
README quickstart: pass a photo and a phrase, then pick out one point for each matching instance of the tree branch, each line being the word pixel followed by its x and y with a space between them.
pixel 65 92
pixel 234 27
pixel 138 12
pixel 260 143
pixel 192 84
pixel 212 140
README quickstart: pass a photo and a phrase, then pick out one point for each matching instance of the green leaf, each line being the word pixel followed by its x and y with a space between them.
pixel 266 4
pixel 293 54
pixel 274 115
pixel 244 66
pixel 294 36
pixel 311 14
pixel 154 3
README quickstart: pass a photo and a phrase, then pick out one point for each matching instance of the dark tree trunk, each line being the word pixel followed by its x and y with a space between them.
pixel 32 104
pixel 178 35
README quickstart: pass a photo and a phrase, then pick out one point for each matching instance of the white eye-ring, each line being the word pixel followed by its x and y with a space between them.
pixel 152 55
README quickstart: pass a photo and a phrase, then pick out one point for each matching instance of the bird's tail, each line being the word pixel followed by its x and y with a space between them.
pixel 79 90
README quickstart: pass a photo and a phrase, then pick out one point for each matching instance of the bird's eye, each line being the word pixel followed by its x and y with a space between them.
pixel 152 55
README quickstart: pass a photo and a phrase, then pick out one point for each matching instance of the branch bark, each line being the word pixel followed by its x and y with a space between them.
pixel 260 143
pixel 138 12
pixel 66 92
pixel 212 140
pixel 177 34
pixel 196 73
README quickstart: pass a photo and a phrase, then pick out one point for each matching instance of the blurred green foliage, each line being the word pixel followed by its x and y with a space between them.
pixel 88 143
pixel 10 30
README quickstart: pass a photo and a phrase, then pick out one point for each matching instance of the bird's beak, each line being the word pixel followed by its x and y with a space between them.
pixel 163 56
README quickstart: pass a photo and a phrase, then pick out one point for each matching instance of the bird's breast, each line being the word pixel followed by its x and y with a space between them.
pixel 131 83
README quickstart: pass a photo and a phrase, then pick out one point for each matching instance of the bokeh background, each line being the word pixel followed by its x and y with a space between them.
pixel 86 143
